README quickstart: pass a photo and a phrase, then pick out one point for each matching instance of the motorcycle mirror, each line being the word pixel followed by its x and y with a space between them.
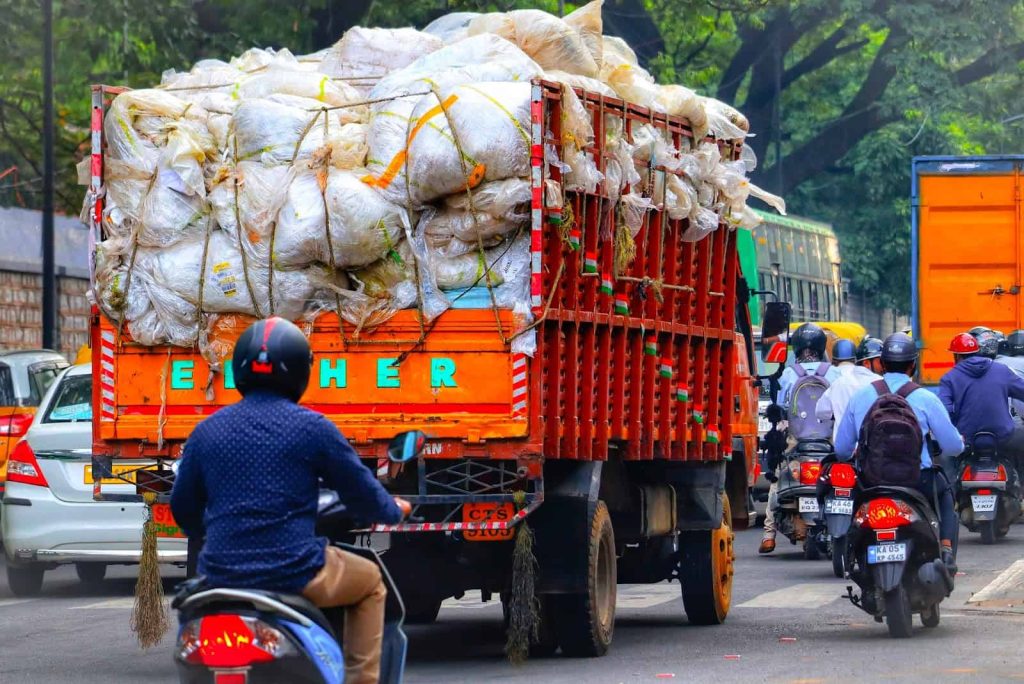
pixel 406 446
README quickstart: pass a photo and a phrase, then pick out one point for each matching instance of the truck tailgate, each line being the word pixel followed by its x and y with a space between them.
pixel 968 252
pixel 458 384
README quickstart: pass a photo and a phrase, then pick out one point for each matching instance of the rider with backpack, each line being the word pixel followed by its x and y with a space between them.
pixel 887 424
pixel 800 387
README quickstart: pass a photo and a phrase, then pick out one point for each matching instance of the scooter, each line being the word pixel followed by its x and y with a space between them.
pixel 797 511
pixel 835 494
pixel 987 491
pixel 896 559
pixel 243 636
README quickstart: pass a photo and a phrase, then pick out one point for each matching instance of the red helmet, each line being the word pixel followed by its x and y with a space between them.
pixel 964 343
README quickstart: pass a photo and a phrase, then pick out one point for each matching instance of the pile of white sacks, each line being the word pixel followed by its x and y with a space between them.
pixel 285 185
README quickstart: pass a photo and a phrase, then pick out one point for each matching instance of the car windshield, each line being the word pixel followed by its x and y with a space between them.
pixel 40 377
pixel 7 397
pixel 73 402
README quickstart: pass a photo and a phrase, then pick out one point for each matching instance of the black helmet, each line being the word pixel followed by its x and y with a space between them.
pixel 843 350
pixel 272 354
pixel 870 348
pixel 898 348
pixel 808 337
pixel 978 329
pixel 989 343
pixel 1015 343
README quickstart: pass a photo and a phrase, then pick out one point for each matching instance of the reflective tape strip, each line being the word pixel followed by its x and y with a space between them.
pixel 520 385
pixel 108 367
pixel 457 526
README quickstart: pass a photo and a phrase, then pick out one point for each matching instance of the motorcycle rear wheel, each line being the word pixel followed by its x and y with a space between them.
pixel 898 617
pixel 930 618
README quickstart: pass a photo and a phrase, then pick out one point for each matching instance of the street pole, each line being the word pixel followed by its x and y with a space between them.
pixel 50 340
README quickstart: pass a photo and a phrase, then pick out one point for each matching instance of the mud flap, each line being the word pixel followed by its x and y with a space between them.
pixel 888 576
pixel 698 487
pixel 561 530
pixel 838 524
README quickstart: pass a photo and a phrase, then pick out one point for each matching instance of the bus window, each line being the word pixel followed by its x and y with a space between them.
pixel 815 301
pixel 802 299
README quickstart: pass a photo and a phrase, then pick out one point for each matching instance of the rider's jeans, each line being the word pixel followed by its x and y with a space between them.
pixel 355 583
pixel 949 522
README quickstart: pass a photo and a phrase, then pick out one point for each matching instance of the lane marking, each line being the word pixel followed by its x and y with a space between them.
pixel 14 602
pixel 1008 586
pixel 115 604
pixel 809 595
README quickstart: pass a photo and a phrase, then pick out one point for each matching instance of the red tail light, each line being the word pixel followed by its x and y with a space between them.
pixel 842 475
pixel 231 641
pixel 884 514
pixel 24 468
pixel 809 472
pixel 16 425
pixel 997 475
pixel 984 492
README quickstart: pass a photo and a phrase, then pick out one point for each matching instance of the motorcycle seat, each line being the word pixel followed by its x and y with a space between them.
pixel 813 447
pixel 207 596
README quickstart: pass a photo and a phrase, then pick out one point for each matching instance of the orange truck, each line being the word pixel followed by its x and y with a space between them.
pixel 966 248
pixel 616 442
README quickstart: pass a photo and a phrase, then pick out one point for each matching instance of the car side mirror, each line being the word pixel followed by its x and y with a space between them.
pixel 774 337
pixel 406 446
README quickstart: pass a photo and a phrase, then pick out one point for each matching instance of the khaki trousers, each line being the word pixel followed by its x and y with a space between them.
pixel 353 582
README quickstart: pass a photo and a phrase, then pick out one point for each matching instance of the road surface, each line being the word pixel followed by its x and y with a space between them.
pixel 788 624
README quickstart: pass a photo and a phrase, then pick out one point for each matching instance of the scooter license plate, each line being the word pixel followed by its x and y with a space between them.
pixel 887 553
pixel 808 504
pixel 839 506
pixel 983 503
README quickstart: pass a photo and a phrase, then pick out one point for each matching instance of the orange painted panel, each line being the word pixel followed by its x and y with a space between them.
pixel 969 260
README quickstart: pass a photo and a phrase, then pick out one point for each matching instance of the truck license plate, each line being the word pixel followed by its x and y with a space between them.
pixel 484 513
pixel 983 503
pixel 808 504
pixel 887 553
pixel 839 506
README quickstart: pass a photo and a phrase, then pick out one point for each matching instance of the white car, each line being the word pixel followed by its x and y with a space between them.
pixel 49 515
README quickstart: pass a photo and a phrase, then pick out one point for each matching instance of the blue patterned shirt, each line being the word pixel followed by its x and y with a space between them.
pixel 249 479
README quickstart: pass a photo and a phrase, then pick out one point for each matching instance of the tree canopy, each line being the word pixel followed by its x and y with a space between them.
pixel 840 93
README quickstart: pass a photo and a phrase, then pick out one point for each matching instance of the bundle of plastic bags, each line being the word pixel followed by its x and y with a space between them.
pixel 389 171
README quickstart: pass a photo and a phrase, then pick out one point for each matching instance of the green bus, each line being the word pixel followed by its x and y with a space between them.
pixel 799 260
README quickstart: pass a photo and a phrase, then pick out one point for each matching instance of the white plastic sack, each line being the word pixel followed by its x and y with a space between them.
pixel 260 192
pixel 364 226
pixel 544 37
pixel 587 22
pixel 365 55
pixel 492 123
pixel 451 27
pixel 282 129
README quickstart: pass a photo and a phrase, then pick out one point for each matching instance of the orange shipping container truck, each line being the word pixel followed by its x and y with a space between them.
pixel 966 251
pixel 614 442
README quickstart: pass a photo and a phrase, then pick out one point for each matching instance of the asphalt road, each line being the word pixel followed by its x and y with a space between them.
pixel 788 624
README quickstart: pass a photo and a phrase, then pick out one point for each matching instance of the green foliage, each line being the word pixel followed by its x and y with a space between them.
pixel 863 85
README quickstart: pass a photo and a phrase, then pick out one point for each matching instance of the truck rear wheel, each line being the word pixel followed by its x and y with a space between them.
pixel 706 562
pixel 584 623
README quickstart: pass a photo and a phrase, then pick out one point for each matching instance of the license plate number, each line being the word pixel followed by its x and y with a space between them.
pixel 124 473
pixel 763 425
pixel 166 527
pixel 487 513
pixel 839 506
pixel 983 503
pixel 887 553
pixel 808 504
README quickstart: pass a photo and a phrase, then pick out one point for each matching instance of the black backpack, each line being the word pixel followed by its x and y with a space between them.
pixel 891 439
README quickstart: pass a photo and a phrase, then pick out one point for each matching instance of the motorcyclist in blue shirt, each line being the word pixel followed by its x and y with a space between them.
pixel 249 480
pixel 899 359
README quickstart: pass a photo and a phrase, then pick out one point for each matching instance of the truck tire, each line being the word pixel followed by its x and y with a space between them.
pixel 91 573
pixel 25 580
pixel 584 623
pixel 421 610
pixel 706 562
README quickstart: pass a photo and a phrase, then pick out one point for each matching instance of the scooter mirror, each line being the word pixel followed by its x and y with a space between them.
pixel 406 446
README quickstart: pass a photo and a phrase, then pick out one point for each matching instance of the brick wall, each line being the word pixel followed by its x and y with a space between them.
pixel 21 315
